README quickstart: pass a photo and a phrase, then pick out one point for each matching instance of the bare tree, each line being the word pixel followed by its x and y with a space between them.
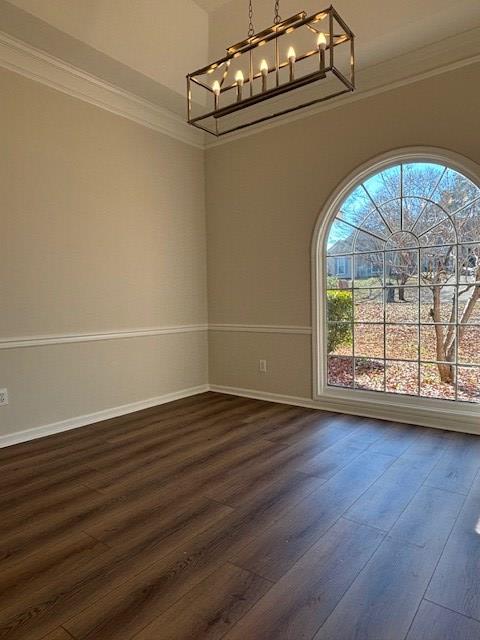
pixel 437 274
pixel 440 271
pixel 445 235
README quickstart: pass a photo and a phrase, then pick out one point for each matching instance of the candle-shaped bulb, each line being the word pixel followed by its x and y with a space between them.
pixel 321 42
pixel 216 93
pixel 239 79
pixel 321 46
pixel 291 61
pixel 264 72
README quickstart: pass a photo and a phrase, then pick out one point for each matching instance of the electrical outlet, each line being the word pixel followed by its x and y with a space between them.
pixel 3 396
pixel 262 366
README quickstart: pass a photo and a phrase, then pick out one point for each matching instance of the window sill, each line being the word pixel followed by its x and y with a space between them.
pixel 436 413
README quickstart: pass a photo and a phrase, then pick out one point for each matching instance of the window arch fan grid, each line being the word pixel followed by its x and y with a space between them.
pixel 403 285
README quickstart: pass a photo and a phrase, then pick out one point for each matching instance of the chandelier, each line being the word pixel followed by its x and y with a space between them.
pixel 297 62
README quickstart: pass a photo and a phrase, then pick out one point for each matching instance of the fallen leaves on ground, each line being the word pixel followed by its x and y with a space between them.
pixel 403 377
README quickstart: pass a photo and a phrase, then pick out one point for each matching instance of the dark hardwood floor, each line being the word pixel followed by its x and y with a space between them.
pixel 224 517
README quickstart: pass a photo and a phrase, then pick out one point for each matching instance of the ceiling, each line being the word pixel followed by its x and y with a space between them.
pixel 142 35
pixel 384 28
pixel 211 5
pixel 147 46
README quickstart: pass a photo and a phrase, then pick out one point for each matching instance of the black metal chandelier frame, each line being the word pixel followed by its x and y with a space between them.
pixel 247 94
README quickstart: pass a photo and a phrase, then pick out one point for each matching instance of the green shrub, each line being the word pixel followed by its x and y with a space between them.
pixel 332 282
pixel 339 308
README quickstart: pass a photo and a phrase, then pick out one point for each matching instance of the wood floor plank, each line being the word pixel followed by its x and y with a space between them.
pixel 218 516
pixel 164 523
pixel 191 417
pixel 300 602
pixel 363 437
pixel 430 505
pixel 398 439
pixel 456 583
pixel 298 427
pixel 436 623
pixel 55 523
pixel 140 599
pixel 287 458
pixel 58 634
pixel 27 493
pixel 128 422
pixel 46 503
pixel 382 504
pixel 105 452
pixel 459 464
pixel 276 549
pixel 21 580
pixel 177 447
pixel 210 609
pixel 328 462
pixel 118 477
pixel 164 414
pixel 82 587
pixel 384 598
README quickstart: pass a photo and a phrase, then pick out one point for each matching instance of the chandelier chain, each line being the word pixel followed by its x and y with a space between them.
pixel 251 29
pixel 277 19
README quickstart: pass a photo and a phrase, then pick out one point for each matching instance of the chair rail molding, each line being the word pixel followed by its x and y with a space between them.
pixel 19 342
pixel 261 328
pixel 15 342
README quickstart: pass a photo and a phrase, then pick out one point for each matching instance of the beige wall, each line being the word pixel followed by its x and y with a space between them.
pixel 264 194
pixel 102 229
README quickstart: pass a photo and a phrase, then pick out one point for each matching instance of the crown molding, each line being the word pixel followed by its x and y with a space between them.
pixel 429 61
pixel 42 67
pixel 432 60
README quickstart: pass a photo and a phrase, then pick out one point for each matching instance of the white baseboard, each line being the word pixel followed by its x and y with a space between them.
pixel 97 416
pixel 432 418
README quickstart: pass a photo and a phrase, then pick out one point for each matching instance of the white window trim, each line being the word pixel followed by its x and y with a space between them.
pixel 434 412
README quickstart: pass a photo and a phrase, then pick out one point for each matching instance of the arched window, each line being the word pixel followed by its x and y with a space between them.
pixel 401 278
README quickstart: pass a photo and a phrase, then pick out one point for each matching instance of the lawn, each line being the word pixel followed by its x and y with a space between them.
pixel 376 346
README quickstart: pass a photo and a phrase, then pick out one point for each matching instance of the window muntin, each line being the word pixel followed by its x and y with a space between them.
pixel 403 285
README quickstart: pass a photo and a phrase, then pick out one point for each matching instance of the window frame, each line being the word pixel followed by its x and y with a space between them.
pixel 365 402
